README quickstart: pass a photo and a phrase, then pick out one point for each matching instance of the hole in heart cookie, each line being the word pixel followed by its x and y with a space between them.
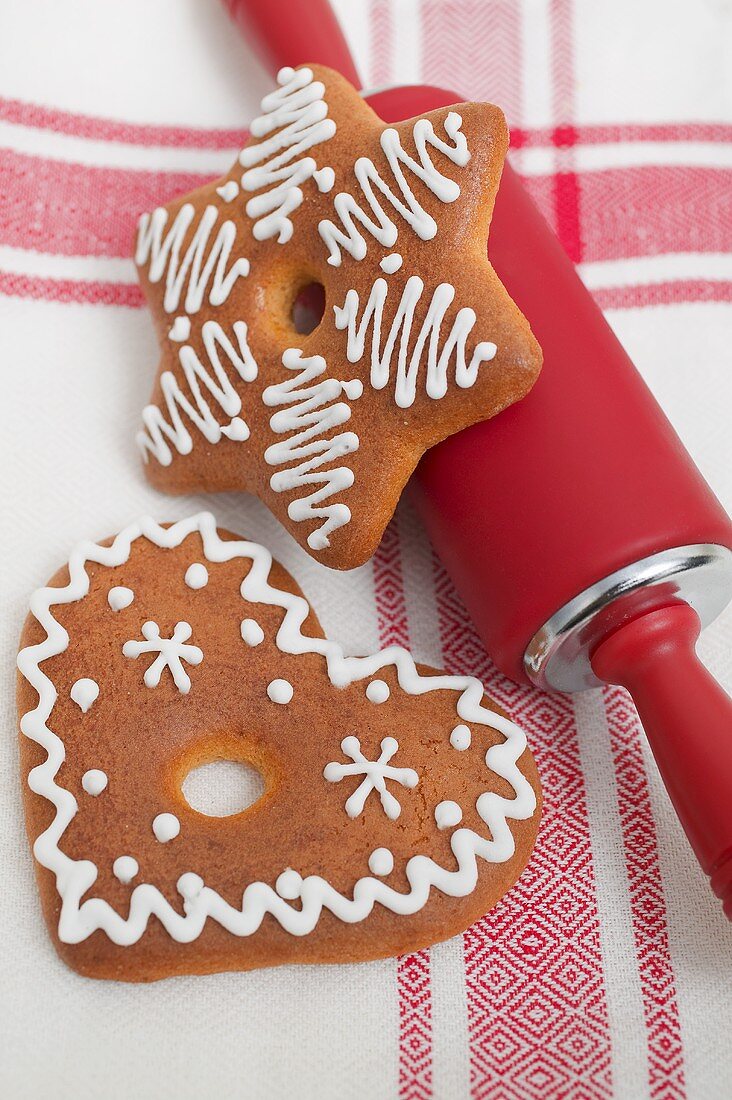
pixel 308 308
pixel 222 787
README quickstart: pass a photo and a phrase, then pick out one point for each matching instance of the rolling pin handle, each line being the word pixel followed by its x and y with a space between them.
pixel 687 718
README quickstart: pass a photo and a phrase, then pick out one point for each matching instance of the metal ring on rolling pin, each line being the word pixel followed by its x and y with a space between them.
pixel 558 656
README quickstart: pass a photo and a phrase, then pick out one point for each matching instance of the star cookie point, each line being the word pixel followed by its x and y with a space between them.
pixel 417 340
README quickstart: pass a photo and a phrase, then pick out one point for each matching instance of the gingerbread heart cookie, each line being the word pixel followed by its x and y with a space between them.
pixel 399 804
pixel 385 228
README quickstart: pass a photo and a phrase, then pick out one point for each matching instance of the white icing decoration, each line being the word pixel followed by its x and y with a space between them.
pixel 381 862
pixel 237 430
pixel 189 886
pixel 460 738
pixel 425 342
pixel 228 191
pixel 377 691
pixel 94 781
pixel 391 263
pixel 120 597
pixel 377 222
pixel 79 919
pixel 196 575
pixel 180 329
pixel 199 271
pixel 166 827
pixel 325 179
pixel 314 412
pixel 251 632
pixel 125 868
pixel 289 884
pixel 171 653
pixel 220 389
pixel 376 773
pixel 294 119
pixel 447 814
pixel 280 691
pixel 84 692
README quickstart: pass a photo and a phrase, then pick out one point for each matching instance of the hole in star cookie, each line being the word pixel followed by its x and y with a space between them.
pixel 308 308
pixel 223 787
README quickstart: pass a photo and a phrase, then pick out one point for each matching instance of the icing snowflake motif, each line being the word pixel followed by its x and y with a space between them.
pixel 83 912
pixel 171 654
pixel 376 773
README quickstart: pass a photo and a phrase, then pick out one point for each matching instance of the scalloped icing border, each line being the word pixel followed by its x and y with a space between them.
pixel 78 919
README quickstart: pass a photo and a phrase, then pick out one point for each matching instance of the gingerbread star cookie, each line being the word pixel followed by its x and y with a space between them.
pixel 385 227
pixel 399 803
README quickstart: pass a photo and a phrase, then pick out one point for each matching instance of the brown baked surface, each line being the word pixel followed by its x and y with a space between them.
pixel 392 439
pixel 147 739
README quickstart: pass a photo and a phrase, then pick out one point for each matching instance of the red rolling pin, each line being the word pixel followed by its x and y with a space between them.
pixel 584 541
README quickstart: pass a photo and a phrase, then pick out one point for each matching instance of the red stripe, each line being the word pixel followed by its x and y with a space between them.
pixel 42 117
pixel 413 971
pixel 566 199
pixel 536 999
pixel 663 294
pixel 73 209
pixel 382 38
pixel 651 210
pixel 106 293
pixel 627 212
pixel 474 47
pixel 566 189
pixel 621 133
pixel 77 210
pixel 69 290
pixel 105 129
pixel 648 905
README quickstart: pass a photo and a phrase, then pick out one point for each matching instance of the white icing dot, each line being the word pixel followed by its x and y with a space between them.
pixel 180 330
pixel 289 884
pixel 84 692
pixel 381 862
pixel 125 868
pixel 189 885
pixel 280 691
pixel 120 597
pixel 228 191
pixel 166 827
pixel 196 575
pixel 460 738
pixel 94 781
pixel 237 429
pixel 377 691
pixel 391 263
pixel 447 814
pixel 325 178
pixel 353 389
pixel 251 632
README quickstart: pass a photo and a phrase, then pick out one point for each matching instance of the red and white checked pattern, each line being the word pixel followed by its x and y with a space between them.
pixel 536 1000
pixel 646 211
